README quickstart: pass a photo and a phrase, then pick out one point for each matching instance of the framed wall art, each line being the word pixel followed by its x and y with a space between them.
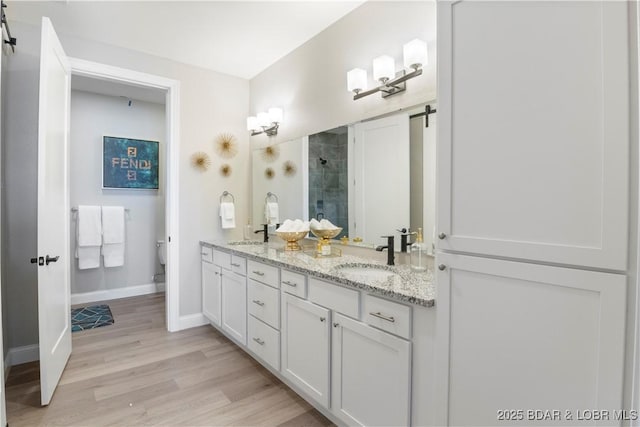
pixel 129 163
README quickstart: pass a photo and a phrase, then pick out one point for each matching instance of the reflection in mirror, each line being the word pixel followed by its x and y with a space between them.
pixel 328 179
pixel 280 175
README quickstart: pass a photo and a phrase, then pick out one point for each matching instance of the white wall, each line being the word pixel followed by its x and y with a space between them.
pixel 92 117
pixel 311 82
pixel 211 103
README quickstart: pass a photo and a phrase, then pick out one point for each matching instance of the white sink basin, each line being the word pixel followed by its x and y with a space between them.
pixel 367 272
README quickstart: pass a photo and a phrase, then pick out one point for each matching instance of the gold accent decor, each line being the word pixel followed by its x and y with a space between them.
pixel 270 153
pixel 289 168
pixel 226 145
pixel 225 170
pixel 325 236
pixel 292 237
pixel 269 173
pixel 200 160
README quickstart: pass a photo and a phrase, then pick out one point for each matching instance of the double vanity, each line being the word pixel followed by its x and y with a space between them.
pixel 351 335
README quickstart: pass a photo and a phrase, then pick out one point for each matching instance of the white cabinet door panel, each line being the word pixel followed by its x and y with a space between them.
pixel 533 134
pixel 305 346
pixel 234 305
pixel 211 292
pixel 513 335
pixel 371 375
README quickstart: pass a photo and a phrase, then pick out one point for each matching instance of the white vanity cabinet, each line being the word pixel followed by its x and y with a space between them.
pixel 371 375
pixel 306 346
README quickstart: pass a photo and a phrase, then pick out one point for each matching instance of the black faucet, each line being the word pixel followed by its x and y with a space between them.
pixel 404 239
pixel 390 249
pixel 265 230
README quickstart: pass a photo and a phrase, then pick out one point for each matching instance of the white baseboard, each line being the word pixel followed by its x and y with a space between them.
pixel 20 355
pixel 105 295
pixel 192 321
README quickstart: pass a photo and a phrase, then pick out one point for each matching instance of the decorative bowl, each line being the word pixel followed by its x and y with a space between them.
pixel 292 237
pixel 326 234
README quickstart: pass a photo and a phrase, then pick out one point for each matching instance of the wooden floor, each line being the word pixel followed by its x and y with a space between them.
pixel 136 373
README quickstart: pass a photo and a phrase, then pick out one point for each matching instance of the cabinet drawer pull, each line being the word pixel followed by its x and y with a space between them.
pixel 442 267
pixel 383 317
pixel 259 341
pixel 286 282
pixel 442 236
pixel 258 302
pixel 235 265
pixel 259 273
pixel 322 319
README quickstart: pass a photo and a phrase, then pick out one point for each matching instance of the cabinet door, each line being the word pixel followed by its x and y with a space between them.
pixel 234 305
pixel 513 335
pixel 533 131
pixel 305 346
pixel 211 288
pixel 371 375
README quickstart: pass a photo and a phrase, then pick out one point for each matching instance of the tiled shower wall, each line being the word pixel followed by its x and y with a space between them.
pixel 328 183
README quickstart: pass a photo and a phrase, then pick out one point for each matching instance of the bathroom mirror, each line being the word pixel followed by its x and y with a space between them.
pixel 278 170
pixel 383 181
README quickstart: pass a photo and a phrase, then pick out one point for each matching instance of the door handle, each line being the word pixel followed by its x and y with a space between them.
pixel 51 259
pixel 39 260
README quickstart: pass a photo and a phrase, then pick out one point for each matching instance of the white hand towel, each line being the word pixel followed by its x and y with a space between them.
pixel 272 214
pixel 88 237
pixel 227 215
pixel 114 236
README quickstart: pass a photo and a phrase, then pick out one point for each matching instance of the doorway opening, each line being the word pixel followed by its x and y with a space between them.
pixel 143 90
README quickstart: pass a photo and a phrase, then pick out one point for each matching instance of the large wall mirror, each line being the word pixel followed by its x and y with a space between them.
pixel 371 178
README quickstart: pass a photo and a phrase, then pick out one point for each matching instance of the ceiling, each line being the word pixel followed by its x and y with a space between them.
pixel 240 38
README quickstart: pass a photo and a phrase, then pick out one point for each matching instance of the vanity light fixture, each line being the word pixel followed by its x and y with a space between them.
pixel 265 122
pixel 384 71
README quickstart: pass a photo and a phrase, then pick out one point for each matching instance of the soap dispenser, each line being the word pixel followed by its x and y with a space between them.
pixel 248 231
pixel 419 252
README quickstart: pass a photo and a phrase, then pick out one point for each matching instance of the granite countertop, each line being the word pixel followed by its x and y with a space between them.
pixel 404 286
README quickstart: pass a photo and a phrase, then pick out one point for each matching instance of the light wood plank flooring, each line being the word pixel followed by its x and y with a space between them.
pixel 136 373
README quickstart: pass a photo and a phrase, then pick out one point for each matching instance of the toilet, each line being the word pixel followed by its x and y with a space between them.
pixel 162 252
pixel 162 258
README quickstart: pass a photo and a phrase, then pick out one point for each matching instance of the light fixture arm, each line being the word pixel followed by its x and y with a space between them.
pixel 268 130
pixel 391 87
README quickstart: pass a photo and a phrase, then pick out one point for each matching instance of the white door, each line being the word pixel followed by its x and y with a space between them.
pixel 305 346
pixel 381 173
pixel 211 287
pixel 515 335
pixel 371 375
pixel 54 297
pixel 3 411
pixel 533 130
pixel 234 305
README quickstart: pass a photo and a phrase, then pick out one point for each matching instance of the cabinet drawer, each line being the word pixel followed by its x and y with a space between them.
pixel 293 283
pixel 387 315
pixel 342 300
pixel 264 341
pixel 239 265
pixel 266 274
pixel 223 259
pixel 206 253
pixel 263 302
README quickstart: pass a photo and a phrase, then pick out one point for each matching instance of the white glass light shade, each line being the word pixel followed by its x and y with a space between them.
pixel 252 123
pixel 415 54
pixel 357 80
pixel 384 67
pixel 264 120
pixel 275 115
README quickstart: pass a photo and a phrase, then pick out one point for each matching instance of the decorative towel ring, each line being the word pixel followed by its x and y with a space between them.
pixel 226 193
pixel 270 194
